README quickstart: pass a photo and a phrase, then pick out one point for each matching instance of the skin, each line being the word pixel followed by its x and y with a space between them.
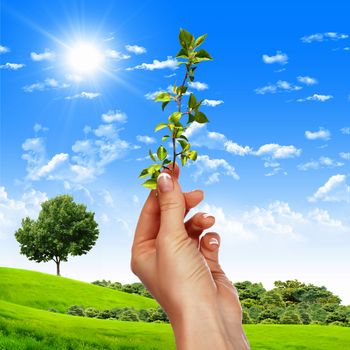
pixel 180 268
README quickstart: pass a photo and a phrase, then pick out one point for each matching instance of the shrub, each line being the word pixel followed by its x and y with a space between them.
pixel 129 315
pixel 76 310
pixel 268 321
pixel 91 312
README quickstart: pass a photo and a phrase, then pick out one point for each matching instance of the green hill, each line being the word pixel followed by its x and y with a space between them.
pixel 23 326
pixel 44 291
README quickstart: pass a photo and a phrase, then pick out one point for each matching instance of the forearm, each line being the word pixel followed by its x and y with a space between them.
pixel 203 327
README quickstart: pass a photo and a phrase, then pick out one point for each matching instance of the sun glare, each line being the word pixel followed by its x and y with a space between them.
pixel 85 58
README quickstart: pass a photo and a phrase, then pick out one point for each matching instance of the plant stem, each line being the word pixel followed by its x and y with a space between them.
pixel 179 110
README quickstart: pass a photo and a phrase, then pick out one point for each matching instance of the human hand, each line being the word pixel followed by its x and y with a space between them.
pixel 182 272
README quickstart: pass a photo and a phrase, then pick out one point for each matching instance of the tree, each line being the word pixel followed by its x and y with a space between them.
pixel 63 228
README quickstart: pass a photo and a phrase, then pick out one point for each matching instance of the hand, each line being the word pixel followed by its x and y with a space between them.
pixel 182 271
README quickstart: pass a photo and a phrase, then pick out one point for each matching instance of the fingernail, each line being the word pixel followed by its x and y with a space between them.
pixel 206 215
pixel 213 241
pixel 165 182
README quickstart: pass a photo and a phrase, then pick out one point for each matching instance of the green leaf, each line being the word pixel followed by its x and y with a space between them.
pixel 166 161
pixel 183 53
pixel 185 38
pixel 160 126
pixel 183 137
pixel 201 118
pixel 152 156
pixel 183 159
pixel 192 101
pixel 164 104
pixel 200 40
pixel 162 153
pixel 178 63
pixel 184 145
pixel 179 131
pixel 191 78
pixel 144 173
pixel 175 117
pixel 163 97
pixel 202 55
pixel 165 137
pixel 192 155
pixel 181 89
pixel 150 183
pixel 191 118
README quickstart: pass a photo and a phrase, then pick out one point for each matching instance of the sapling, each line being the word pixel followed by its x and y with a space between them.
pixel 190 56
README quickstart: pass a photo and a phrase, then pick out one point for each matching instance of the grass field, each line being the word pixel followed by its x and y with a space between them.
pixel 43 291
pixel 29 328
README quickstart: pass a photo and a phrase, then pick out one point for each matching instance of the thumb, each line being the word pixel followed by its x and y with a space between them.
pixel 172 206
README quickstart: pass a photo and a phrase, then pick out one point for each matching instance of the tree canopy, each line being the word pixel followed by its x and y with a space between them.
pixel 63 228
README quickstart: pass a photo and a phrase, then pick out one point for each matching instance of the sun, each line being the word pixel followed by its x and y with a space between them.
pixel 85 58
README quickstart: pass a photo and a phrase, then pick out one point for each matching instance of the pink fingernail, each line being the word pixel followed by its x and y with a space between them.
pixel 213 241
pixel 206 215
pixel 165 183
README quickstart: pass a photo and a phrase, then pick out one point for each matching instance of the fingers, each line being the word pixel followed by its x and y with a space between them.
pixel 192 199
pixel 172 206
pixel 148 223
pixel 209 247
pixel 198 223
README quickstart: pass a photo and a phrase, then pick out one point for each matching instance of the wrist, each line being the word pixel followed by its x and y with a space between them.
pixel 202 326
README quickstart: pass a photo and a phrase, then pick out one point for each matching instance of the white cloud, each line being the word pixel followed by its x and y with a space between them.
pixel 53 164
pixel 114 116
pixel 38 127
pixel 277 151
pixel 322 217
pixel 323 162
pixel 84 95
pixel 197 85
pixel 334 190
pixel 116 55
pixel 4 49
pixel 307 80
pixel 12 66
pixel 206 165
pixel 152 95
pixel 277 219
pixel 138 50
pixel 345 130
pixel 235 148
pixel 316 97
pixel 321 134
pixel 279 57
pixel 12 211
pixel 212 103
pixel 323 37
pixel 48 83
pixel 47 55
pixel 90 157
pixel 170 63
pixel 344 155
pixel 135 199
pixel 146 139
pixel 280 86
pixel 170 75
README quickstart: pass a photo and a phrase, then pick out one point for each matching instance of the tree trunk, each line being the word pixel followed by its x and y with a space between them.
pixel 58 268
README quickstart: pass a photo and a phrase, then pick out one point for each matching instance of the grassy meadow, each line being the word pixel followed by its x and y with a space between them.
pixel 25 323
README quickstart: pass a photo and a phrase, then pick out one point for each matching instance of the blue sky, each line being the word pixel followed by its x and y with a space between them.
pixel 274 159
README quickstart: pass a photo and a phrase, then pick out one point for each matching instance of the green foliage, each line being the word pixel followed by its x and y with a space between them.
pixel 191 55
pixel 76 310
pixel 63 228
pixel 291 302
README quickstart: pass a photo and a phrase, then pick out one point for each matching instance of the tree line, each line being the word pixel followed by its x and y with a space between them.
pixel 289 302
